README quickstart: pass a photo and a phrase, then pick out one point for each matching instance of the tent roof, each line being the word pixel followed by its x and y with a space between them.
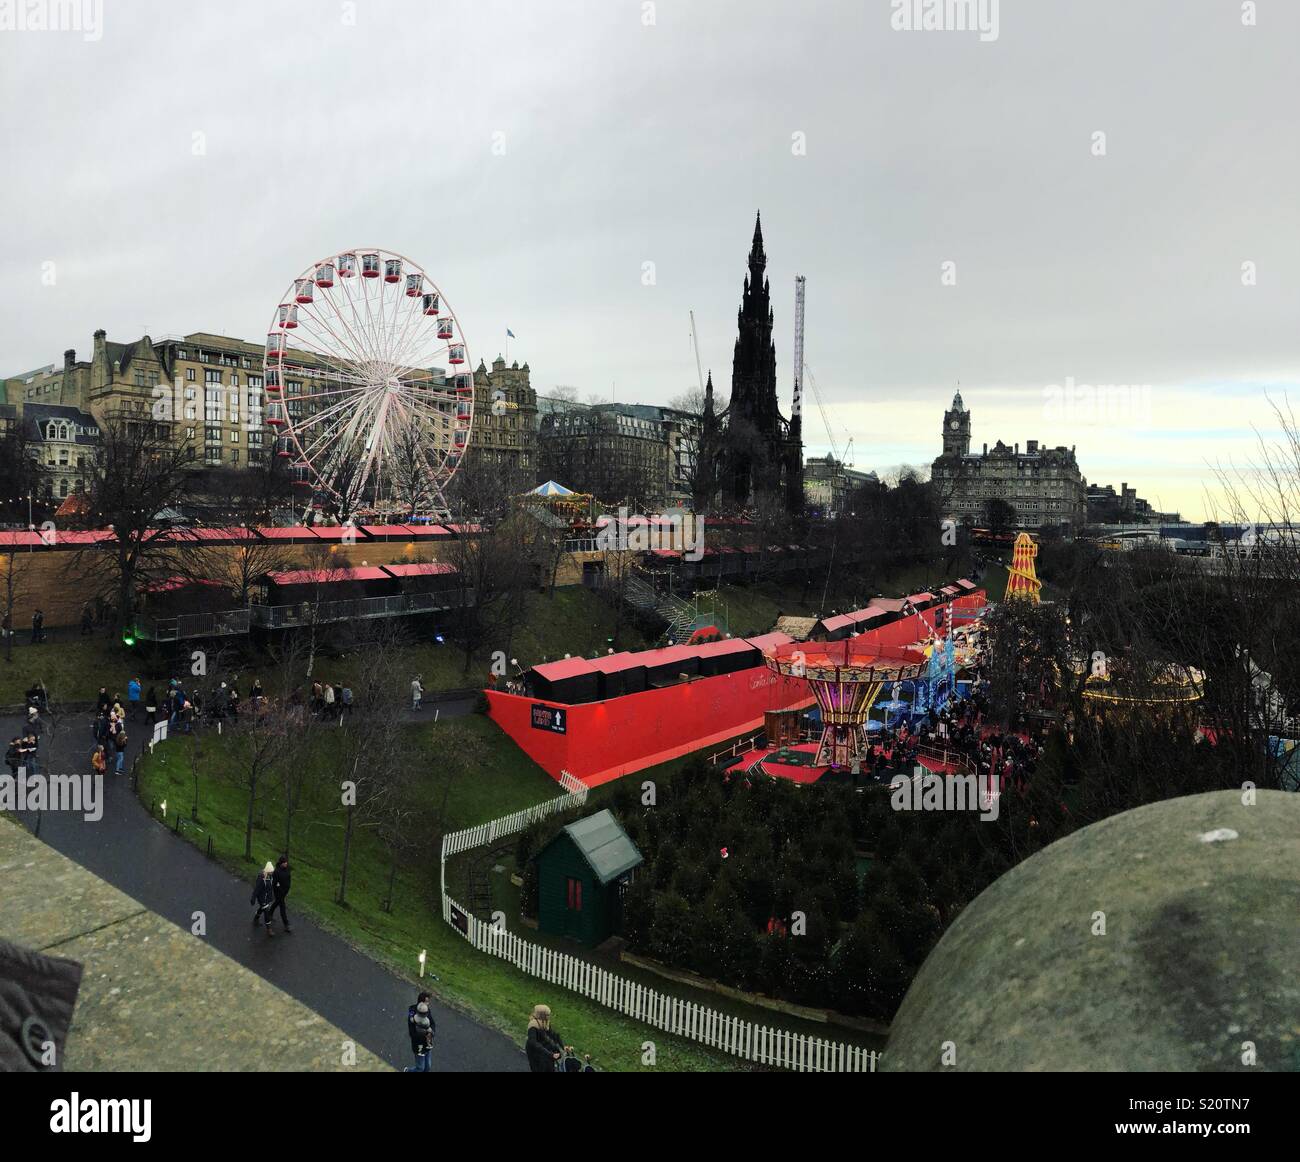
pixel 551 488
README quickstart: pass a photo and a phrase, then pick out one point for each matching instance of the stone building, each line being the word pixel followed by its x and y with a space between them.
pixel 62 440
pixel 828 483
pixel 208 389
pixel 640 454
pixel 504 433
pixel 1043 485
pixel 1106 506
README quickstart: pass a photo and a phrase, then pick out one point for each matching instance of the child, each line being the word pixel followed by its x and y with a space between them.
pixel 98 763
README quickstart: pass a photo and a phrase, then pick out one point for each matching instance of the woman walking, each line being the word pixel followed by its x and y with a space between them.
pixel 544 1046
pixel 264 896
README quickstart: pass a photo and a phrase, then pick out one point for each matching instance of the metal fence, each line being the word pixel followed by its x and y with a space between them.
pixel 350 609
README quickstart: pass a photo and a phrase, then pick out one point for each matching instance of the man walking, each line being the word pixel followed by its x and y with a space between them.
pixel 420 1026
pixel 280 880
pixel 417 692
pixel 38 627
pixel 133 696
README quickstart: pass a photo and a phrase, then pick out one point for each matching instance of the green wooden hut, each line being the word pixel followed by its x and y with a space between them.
pixel 581 877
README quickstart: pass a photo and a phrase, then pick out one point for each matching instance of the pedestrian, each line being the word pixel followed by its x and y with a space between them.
pixel 345 699
pixel 8 624
pixel 151 706
pixel 280 880
pixel 544 1046
pixel 38 627
pixel 31 753
pixel 133 695
pixel 103 702
pixel 264 896
pixel 420 1026
pixel 98 761
pixel 87 620
pixel 119 745
pixel 329 699
pixel 14 755
pixel 233 701
pixel 417 692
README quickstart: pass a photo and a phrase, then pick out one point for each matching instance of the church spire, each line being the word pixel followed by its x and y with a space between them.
pixel 757 257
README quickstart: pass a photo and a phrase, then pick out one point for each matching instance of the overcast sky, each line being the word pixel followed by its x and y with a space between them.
pixel 533 157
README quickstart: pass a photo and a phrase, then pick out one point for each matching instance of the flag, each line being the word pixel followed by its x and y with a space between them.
pixel 510 333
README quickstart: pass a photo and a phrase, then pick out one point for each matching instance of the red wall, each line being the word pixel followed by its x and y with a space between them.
pixel 607 739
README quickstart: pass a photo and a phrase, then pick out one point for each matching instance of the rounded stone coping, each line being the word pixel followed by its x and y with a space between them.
pixel 1200 901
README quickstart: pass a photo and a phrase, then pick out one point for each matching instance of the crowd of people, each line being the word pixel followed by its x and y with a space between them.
pixel 963 726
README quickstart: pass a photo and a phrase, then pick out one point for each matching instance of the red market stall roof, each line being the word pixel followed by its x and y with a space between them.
pixel 419 570
pixel 565 668
pixel 84 536
pixel 327 576
pixel 208 535
pixel 23 537
pixel 335 532
pixel 170 584
pixel 839 621
pixel 388 532
pixel 726 646
pixel 287 533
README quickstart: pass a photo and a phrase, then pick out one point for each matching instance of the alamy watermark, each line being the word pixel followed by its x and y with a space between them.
pixel 642 534
pixel 81 793
pixel 928 791
pixel 83 16
pixel 1102 403
pixel 946 16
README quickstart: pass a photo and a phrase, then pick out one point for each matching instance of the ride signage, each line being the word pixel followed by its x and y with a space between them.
pixel 550 718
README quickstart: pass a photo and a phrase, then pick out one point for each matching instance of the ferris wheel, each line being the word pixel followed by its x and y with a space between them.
pixel 357 395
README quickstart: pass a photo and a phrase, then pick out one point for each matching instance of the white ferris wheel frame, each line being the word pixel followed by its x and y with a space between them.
pixel 374 368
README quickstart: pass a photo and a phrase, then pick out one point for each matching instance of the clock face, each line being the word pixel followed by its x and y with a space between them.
pixel 954 425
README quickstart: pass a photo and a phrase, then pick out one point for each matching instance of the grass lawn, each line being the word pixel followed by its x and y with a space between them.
pixel 493 991
pixel 574 620
pixel 73 669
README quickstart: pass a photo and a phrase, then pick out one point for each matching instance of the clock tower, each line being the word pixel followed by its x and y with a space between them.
pixel 956 428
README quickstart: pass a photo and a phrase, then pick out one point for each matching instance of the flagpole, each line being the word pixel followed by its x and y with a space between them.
pixel 507 346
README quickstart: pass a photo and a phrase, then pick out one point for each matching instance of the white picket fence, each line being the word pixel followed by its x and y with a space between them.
pixel 747 1040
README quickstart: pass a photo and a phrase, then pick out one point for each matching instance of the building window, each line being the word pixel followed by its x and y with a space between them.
pixel 212 375
pixel 189 373
pixel 574 894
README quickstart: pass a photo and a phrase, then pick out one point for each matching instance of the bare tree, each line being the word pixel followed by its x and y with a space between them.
pixel 15 589
pixel 139 474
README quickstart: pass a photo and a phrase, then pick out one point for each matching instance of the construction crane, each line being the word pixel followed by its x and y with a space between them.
pixel 796 403
pixel 802 369
pixel 699 373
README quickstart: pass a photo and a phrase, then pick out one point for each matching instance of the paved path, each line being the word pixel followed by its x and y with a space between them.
pixel 170 876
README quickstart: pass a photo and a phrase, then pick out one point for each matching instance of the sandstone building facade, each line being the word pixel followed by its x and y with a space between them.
pixel 1043 485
